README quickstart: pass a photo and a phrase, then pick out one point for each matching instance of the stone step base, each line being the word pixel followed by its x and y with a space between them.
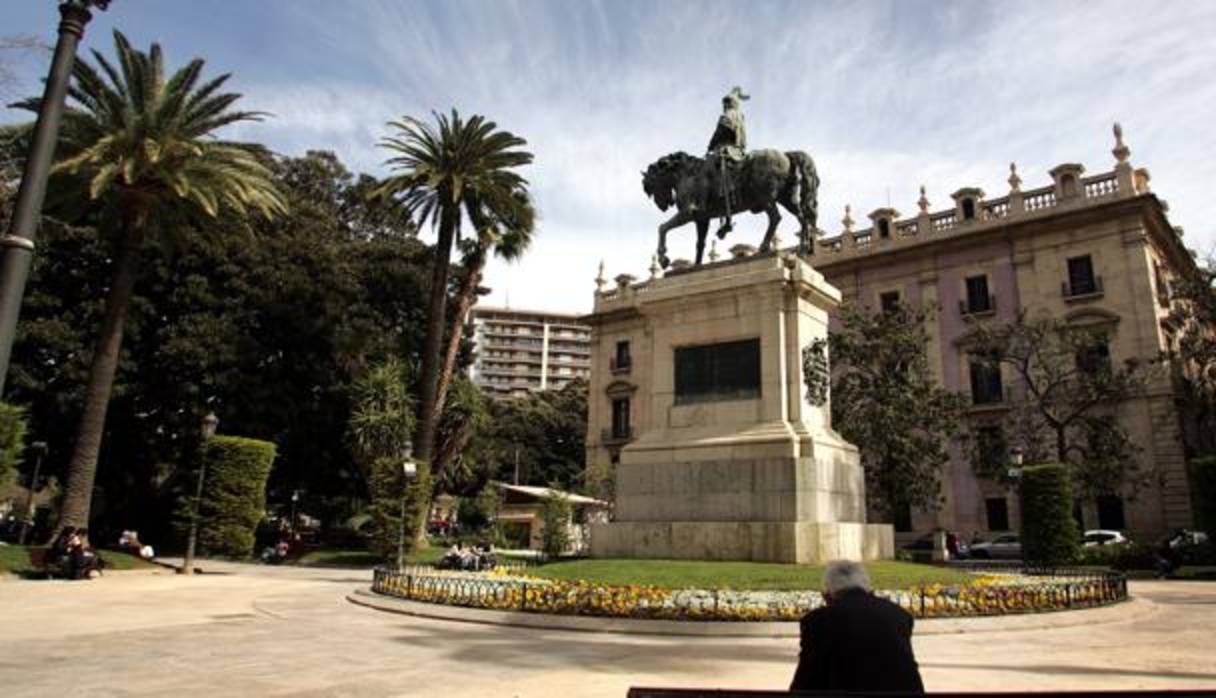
pixel 799 542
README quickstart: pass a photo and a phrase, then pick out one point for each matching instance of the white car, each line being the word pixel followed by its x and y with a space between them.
pixel 1003 547
pixel 1103 537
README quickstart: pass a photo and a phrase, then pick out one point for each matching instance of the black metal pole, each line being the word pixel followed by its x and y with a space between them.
pixel 17 246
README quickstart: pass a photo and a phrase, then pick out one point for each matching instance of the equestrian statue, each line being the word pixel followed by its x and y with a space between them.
pixel 728 180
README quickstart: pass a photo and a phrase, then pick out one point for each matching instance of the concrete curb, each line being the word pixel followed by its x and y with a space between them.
pixel 1133 609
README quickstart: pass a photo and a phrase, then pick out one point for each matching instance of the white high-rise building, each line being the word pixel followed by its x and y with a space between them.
pixel 519 351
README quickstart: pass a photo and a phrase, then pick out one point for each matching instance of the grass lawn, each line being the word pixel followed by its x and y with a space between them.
pixel 15 559
pixel 677 574
pixel 357 557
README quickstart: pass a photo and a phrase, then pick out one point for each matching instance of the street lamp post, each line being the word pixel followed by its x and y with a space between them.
pixel 1015 458
pixel 295 497
pixel 39 449
pixel 17 245
pixel 409 470
pixel 207 430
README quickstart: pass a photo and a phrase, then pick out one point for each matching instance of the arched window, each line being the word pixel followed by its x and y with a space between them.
pixel 968 209
pixel 1068 185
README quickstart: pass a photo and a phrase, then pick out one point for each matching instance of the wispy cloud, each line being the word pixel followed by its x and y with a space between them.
pixel 886 97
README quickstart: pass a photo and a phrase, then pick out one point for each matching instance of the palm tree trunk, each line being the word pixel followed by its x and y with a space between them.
pixel 466 297
pixel 424 437
pixel 82 469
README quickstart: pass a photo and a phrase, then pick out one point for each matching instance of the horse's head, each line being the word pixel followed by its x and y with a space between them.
pixel 659 180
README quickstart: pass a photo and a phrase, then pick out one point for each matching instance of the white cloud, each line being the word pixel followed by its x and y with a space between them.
pixel 886 97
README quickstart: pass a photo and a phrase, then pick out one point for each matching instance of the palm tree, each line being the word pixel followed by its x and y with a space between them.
pixel 507 238
pixel 138 159
pixel 445 171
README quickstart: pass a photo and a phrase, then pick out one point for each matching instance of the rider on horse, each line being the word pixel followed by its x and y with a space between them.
pixel 728 146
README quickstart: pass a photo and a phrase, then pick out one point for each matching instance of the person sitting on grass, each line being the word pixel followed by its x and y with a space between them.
pixel 57 556
pixel 857 641
pixel 85 563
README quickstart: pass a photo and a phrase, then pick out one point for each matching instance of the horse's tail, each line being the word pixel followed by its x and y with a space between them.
pixel 808 189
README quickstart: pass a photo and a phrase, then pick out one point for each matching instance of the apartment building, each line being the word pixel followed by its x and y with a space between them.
pixel 520 351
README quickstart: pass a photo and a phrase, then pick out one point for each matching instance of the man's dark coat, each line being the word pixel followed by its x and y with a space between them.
pixel 859 642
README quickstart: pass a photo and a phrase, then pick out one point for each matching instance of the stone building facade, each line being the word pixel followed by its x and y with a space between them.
pixel 1092 250
pixel 520 351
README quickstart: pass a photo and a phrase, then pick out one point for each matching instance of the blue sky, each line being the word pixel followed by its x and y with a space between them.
pixel 886 96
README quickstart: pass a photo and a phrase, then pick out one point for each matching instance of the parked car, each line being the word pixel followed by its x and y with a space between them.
pixel 1003 547
pixel 1184 538
pixel 1103 537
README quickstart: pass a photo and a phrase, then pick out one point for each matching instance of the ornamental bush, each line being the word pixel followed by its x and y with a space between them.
pixel 389 490
pixel 234 494
pixel 1203 489
pixel 12 439
pixel 1049 532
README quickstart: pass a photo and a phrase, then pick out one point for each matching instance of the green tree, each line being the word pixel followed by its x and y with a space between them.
pixel 12 439
pixel 382 421
pixel 269 336
pixel 545 430
pixel 555 511
pixel 136 154
pixel 1067 397
pixel 1190 322
pixel 442 172
pixel 456 468
pixel 885 400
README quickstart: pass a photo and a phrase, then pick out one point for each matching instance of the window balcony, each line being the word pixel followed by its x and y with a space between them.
pixel 977 307
pixel 620 364
pixel 1082 288
pixel 613 436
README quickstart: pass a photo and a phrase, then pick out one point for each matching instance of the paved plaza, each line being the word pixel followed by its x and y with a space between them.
pixel 266 631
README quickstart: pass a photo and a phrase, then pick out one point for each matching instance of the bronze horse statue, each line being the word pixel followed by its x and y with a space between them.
pixel 764 179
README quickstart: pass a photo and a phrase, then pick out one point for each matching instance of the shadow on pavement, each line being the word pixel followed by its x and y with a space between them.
pixel 1060 669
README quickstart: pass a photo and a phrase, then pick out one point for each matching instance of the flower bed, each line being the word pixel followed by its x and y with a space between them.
pixel 990 594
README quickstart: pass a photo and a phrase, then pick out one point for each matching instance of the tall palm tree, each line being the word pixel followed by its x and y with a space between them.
pixel 447 170
pixel 138 158
pixel 508 238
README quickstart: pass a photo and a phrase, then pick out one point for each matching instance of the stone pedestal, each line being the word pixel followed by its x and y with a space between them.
pixel 747 475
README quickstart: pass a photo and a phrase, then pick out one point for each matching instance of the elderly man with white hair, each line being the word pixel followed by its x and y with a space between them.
pixel 857 641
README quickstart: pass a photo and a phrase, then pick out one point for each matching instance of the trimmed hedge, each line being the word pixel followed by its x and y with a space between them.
pixel 234 494
pixel 1203 489
pixel 12 439
pixel 1049 532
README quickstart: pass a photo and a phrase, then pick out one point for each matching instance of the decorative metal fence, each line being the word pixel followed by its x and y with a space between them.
pixel 1027 592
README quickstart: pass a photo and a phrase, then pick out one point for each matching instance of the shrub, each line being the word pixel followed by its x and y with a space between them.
pixel 555 518
pixel 12 439
pixel 387 487
pixel 234 494
pixel 1134 556
pixel 1203 488
pixel 1049 532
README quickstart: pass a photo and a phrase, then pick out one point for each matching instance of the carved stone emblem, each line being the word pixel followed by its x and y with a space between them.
pixel 815 371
